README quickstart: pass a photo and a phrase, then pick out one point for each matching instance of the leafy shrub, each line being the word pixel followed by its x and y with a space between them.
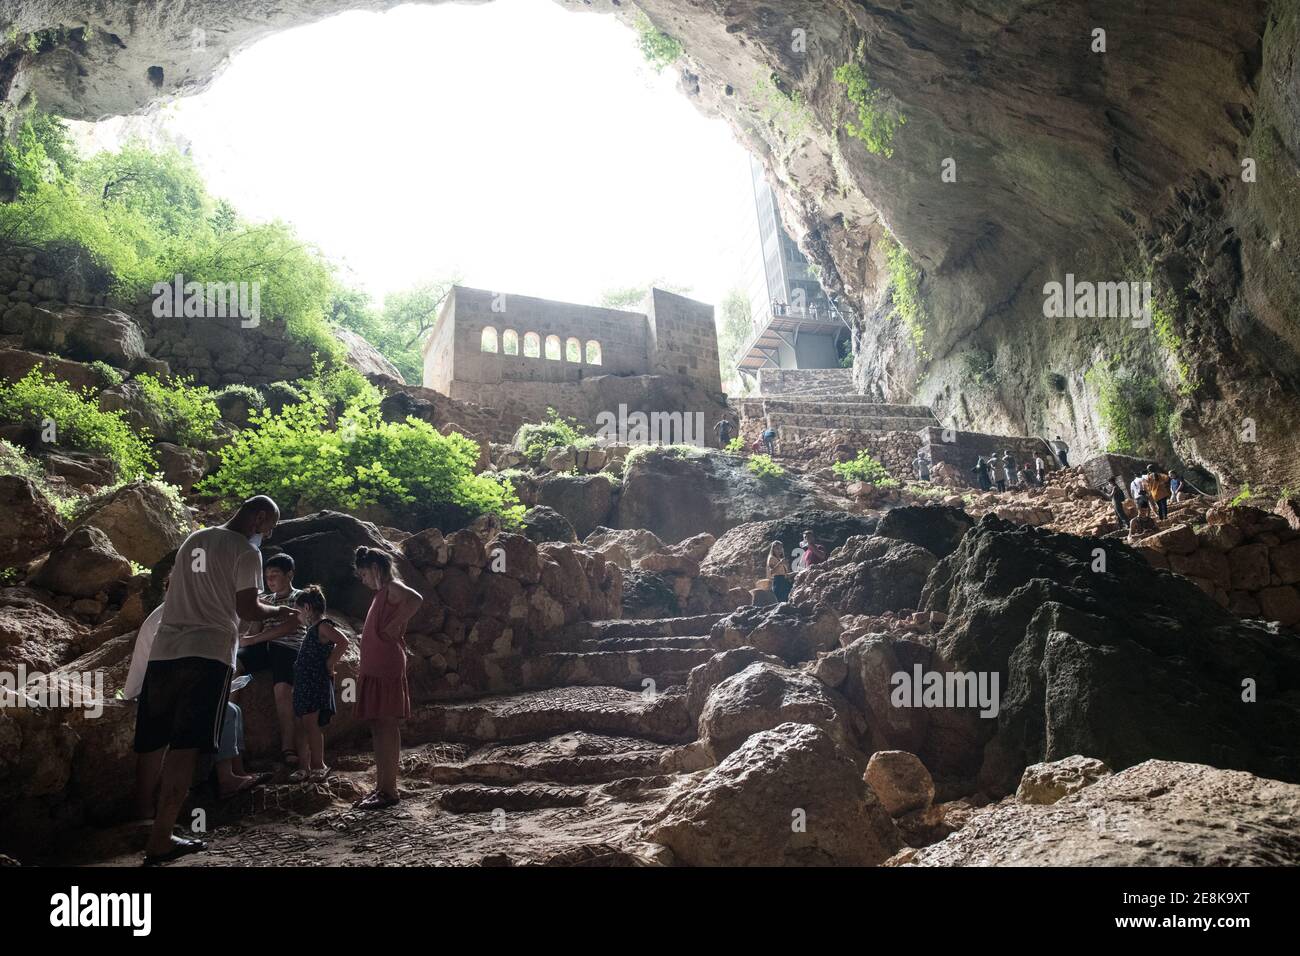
pixel 339 387
pixel 736 446
pixel 15 461
pixel 299 459
pixel 978 367
pixel 244 393
pixel 555 431
pixel 278 395
pixel 107 375
pixel 1243 496
pixel 188 408
pixel 865 468
pixel 764 468
pixel 39 396
pixel 877 121
pixel 144 216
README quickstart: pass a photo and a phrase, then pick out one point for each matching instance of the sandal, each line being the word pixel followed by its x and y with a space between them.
pixel 179 849
pixel 377 801
pixel 253 782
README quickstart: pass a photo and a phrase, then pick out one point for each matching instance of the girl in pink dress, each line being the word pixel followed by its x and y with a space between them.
pixel 382 695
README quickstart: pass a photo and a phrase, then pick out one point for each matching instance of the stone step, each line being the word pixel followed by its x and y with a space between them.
pixel 637 643
pixel 538 715
pixel 572 758
pixel 862 423
pixel 613 668
pixel 648 627
pixel 845 395
pixel 833 406
pixel 791 432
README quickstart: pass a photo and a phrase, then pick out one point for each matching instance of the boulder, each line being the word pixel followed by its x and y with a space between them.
pixel 546 524
pixel 182 467
pixel 1045 783
pixel 679 493
pixel 740 555
pixel 33 634
pixel 363 356
pixel 79 468
pixel 427 550
pixel 1156 814
pixel 322 546
pixel 704 677
pixel 871 664
pixel 624 546
pixel 666 563
pixel 137 411
pixel 1281 604
pixel 83 565
pixel 87 333
pixel 647 595
pixel 29 524
pixel 787 796
pixel 866 576
pixel 792 633
pixel 1176 539
pixel 15 363
pixel 585 500
pixel 763 695
pixel 142 520
pixel 937 529
pixel 516 557
pixel 900 781
pixel 1088 663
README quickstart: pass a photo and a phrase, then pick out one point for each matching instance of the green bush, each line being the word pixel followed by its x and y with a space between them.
pixel 144 216
pixel 877 121
pixel 244 393
pixel 736 446
pixel 764 468
pixel 15 461
pixel 189 409
pixel 865 468
pixel 107 375
pixel 298 458
pixel 339 387
pixel 1163 323
pixel 555 431
pixel 38 396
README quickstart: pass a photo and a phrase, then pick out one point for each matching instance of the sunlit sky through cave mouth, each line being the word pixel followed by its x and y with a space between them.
pixel 527 148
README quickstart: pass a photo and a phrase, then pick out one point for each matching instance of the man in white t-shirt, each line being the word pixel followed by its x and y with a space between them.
pixel 214 583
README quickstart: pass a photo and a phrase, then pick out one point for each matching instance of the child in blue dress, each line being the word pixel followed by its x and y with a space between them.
pixel 313 682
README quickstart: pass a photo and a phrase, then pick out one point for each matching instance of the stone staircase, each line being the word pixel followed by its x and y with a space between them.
pixel 800 415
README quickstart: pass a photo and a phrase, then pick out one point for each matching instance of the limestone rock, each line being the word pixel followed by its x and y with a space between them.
pixel 585 500
pixel 793 633
pixel 87 333
pixel 183 467
pixel 624 547
pixel 141 520
pixel 1157 813
pixel 363 356
pixel 744 811
pixel 900 781
pixel 1045 783
pixel 866 576
pixel 936 529
pixel 764 695
pixel 546 524
pixel 704 677
pixel 740 555
pixel 29 525
pixel 84 564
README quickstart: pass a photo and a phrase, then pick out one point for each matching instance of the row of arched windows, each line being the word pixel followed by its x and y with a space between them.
pixel 572 351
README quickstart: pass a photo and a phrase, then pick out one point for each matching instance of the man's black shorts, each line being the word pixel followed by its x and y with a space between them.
pixel 270 655
pixel 182 705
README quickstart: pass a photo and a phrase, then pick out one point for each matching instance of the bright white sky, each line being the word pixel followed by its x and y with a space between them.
pixel 531 148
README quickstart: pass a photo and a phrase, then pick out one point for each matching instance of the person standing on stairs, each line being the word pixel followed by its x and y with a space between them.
pixel 1008 469
pixel 1062 451
pixel 723 428
pixel 383 696
pixel 981 471
pixel 999 476
pixel 1039 467
pixel 1158 489
pixel 1114 490
pixel 769 439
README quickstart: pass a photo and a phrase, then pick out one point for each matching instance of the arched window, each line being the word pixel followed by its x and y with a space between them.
pixel 553 347
pixel 573 351
pixel 489 340
pixel 532 345
pixel 593 352
pixel 510 342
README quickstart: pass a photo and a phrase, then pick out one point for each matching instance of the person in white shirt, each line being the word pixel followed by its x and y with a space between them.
pixel 1039 467
pixel 214 583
